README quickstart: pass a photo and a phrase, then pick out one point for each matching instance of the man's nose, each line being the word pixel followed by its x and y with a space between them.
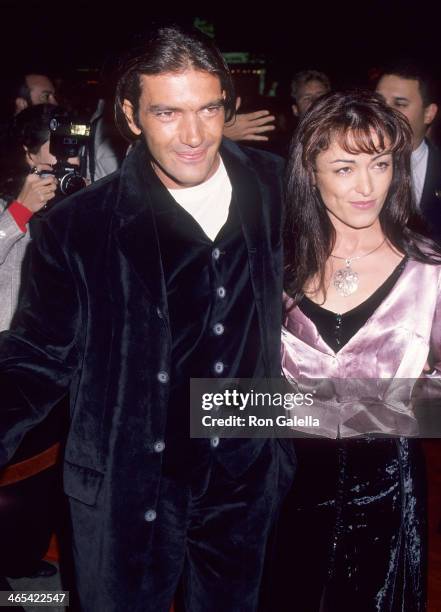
pixel 191 130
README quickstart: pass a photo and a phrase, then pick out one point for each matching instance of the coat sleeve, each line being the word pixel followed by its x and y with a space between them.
pixel 38 355
pixel 10 234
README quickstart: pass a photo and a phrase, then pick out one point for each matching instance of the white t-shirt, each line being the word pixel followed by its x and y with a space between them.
pixel 209 202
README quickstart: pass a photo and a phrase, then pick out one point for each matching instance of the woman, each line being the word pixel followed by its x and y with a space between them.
pixel 362 302
pixel 28 485
pixel 23 192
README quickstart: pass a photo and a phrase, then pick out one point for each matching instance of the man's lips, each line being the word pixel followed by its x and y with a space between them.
pixel 192 156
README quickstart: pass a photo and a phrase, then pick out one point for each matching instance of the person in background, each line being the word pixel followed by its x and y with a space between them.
pixel 31 89
pixel 410 89
pixel 306 87
pixel 251 127
pixel 29 484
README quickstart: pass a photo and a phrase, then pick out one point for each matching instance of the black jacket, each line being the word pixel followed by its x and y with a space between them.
pixel 430 204
pixel 94 321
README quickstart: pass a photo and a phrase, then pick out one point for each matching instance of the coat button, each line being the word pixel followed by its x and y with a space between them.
pixel 159 446
pixel 159 313
pixel 150 516
pixel 215 253
pixel 163 377
pixel 221 292
pixel 214 442
pixel 219 367
pixel 218 329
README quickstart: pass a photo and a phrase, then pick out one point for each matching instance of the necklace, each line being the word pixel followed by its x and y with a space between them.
pixel 346 279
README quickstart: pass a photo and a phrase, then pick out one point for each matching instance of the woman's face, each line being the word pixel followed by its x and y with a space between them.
pixel 44 160
pixel 353 187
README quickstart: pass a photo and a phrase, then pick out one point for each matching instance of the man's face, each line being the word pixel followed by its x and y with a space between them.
pixel 41 89
pixel 181 116
pixel 404 95
pixel 306 95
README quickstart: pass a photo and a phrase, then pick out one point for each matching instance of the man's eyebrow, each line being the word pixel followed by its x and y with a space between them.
pixel 158 108
pixel 162 107
pixel 217 102
pixel 401 99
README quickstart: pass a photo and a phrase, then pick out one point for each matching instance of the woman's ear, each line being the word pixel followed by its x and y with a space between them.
pixel 28 157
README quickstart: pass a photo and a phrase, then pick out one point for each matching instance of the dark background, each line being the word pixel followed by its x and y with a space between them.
pixel 72 41
pixel 344 38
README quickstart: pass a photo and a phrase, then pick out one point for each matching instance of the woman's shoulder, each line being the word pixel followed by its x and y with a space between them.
pixel 422 274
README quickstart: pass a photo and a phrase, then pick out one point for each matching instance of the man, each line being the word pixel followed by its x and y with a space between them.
pixel 33 89
pixel 306 87
pixel 166 270
pixel 22 92
pixel 410 90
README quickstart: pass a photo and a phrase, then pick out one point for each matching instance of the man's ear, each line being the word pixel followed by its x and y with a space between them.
pixel 295 110
pixel 430 113
pixel 130 117
pixel 20 104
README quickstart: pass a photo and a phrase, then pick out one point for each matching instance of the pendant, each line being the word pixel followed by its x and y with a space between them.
pixel 346 280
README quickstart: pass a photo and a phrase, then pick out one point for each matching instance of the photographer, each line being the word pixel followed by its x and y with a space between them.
pixel 29 485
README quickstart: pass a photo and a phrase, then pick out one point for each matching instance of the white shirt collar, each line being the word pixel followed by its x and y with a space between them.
pixel 418 162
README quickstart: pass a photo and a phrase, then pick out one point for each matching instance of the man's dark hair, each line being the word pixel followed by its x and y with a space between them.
pixel 412 70
pixel 170 49
pixel 21 89
pixel 305 76
pixel 16 86
pixel 360 122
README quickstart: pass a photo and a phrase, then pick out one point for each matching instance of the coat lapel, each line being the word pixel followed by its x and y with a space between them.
pixel 136 232
pixel 247 196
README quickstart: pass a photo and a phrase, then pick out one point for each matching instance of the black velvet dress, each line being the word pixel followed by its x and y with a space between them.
pixel 351 536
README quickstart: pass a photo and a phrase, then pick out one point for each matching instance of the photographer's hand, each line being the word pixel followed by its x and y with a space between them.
pixel 37 191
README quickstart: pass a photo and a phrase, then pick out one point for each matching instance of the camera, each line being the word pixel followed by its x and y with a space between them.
pixel 66 140
pixel 69 179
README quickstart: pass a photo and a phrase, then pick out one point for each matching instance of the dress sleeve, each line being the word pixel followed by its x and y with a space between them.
pixel 435 336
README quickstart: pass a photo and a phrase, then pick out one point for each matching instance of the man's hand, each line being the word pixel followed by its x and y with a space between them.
pixel 37 191
pixel 249 126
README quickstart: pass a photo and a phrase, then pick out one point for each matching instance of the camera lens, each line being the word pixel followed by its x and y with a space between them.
pixel 70 183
